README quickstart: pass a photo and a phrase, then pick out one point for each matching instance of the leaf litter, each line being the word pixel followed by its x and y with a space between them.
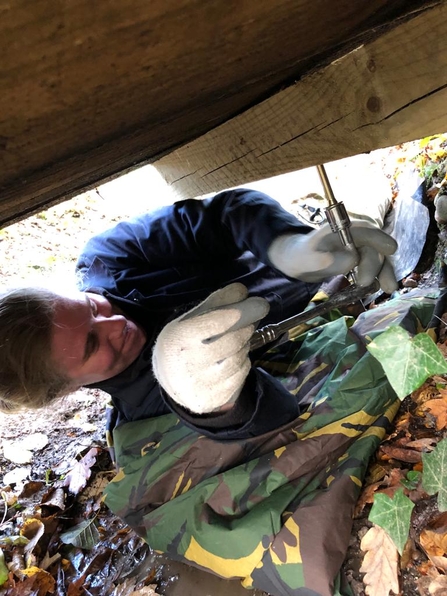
pixel 56 536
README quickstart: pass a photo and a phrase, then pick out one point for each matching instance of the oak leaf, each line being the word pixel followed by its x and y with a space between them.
pixel 78 476
pixel 380 564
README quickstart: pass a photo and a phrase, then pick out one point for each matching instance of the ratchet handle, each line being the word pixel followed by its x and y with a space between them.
pixel 345 297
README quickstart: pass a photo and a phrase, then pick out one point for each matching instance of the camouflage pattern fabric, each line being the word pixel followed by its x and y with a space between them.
pixel 275 510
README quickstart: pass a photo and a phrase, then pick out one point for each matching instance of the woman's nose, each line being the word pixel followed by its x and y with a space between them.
pixel 112 326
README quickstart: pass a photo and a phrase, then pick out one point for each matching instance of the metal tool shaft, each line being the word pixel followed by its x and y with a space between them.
pixel 345 297
pixel 338 217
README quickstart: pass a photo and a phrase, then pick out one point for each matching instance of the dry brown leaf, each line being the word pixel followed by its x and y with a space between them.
pixel 434 543
pixel 380 563
pixel 438 408
pixel 388 485
pixel 427 444
pixel 424 393
pixel 375 473
pixel 403 422
pixel 433 540
pixel 427 568
pixel 38 582
pixel 423 583
pixel 129 588
pixel 55 497
pixel 33 529
pixel 438 586
pixel 387 452
pixel 366 497
pixel 77 478
pixel 443 349
pixel 408 555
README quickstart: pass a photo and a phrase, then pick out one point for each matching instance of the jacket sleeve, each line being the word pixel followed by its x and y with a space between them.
pixel 264 405
pixel 228 224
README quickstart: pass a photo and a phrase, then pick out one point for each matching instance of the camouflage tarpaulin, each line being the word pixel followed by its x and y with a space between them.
pixel 276 510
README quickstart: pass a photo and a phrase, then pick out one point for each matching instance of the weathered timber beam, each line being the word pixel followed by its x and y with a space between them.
pixel 92 89
pixel 387 92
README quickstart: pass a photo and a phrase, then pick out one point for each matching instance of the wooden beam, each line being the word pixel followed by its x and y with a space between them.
pixel 92 89
pixel 384 93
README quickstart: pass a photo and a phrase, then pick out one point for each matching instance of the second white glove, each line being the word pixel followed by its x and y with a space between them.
pixel 201 359
pixel 320 254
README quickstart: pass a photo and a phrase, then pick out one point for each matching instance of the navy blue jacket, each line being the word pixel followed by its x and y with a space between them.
pixel 161 264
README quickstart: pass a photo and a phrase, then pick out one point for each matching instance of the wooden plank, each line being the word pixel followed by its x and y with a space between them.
pixel 387 92
pixel 90 89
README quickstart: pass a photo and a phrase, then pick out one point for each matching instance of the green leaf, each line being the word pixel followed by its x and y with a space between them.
pixel 407 361
pixel 393 515
pixel 412 480
pixel 13 541
pixel 84 535
pixel 3 569
pixel 434 473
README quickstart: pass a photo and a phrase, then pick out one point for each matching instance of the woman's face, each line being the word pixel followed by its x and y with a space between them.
pixel 92 340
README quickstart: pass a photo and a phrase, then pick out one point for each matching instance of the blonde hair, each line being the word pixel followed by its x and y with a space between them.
pixel 28 379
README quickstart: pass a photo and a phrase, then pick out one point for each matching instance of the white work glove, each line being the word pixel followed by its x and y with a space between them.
pixel 320 254
pixel 201 358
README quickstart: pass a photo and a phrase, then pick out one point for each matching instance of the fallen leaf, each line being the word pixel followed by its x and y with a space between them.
pixel 423 584
pixel 34 441
pixel 427 568
pixel 403 422
pixel 408 555
pixel 129 584
pixel 84 535
pixel 387 452
pixel 434 544
pixel 32 529
pixel 438 586
pixel 433 540
pixel 38 582
pixel 427 444
pixel 21 452
pixel 16 476
pixel 55 498
pixel 375 473
pixel 380 563
pixel 16 453
pixel 366 497
pixel 78 476
pixel 47 561
pixel 438 408
pixel 389 484
pixel 439 380
pixel 424 393
pixel 97 486
pixel 31 488
pixel 393 515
